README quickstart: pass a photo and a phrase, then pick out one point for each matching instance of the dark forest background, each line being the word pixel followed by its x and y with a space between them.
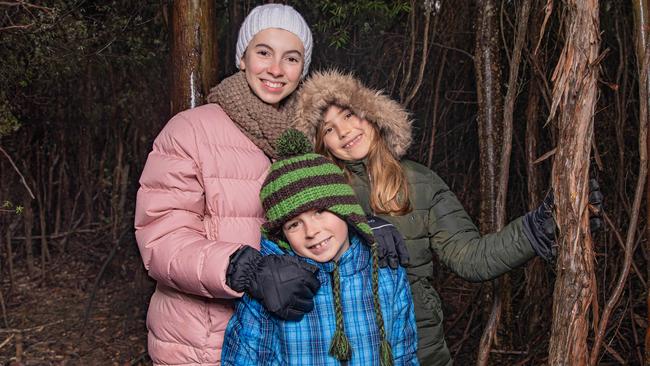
pixel 85 87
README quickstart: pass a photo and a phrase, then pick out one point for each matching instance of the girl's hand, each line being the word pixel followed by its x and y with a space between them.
pixel 392 248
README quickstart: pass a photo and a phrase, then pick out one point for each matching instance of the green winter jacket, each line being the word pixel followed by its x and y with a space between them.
pixel 438 223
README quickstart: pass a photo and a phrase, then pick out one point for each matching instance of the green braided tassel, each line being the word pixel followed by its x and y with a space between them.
pixel 385 354
pixel 340 346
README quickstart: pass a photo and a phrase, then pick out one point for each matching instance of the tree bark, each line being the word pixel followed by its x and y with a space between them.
pixel 490 111
pixel 642 45
pixel 193 52
pixel 574 95
pixel 536 286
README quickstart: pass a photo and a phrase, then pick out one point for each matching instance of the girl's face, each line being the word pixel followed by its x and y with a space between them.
pixel 273 64
pixel 345 135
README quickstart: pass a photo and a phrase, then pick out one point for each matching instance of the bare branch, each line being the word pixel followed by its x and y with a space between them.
pixel 22 178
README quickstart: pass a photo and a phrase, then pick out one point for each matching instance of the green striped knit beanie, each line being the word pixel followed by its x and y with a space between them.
pixel 300 181
pixel 303 180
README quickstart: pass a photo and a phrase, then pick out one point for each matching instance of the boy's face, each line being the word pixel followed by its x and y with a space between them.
pixel 318 235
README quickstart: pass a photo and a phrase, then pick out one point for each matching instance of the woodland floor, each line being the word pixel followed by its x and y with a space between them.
pixel 51 315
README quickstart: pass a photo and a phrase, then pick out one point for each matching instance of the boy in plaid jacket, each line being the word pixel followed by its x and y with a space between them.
pixel 362 315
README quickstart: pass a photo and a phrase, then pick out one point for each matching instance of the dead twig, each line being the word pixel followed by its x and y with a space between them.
pixel 91 298
pixel 37 328
pixel 22 178
pixel 138 359
pixel 4 310
pixel 621 243
pixel 6 341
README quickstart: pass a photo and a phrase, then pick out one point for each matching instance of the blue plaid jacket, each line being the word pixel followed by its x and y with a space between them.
pixel 255 337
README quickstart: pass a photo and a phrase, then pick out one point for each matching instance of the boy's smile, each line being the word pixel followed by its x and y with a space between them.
pixel 318 235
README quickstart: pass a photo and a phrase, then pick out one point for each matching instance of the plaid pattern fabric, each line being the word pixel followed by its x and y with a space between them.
pixel 254 337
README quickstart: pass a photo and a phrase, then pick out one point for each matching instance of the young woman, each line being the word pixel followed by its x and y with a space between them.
pixel 367 134
pixel 198 212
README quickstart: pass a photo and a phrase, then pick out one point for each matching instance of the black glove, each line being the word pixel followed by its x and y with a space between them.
pixel 285 285
pixel 539 228
pixel 596 209
pixel 391 245
pixel 539 224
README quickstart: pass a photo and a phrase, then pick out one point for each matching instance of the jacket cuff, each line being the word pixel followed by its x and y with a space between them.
pixel 214 271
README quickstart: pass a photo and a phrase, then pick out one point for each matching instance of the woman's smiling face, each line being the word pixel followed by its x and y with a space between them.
pixel 345 135
pixel 273 64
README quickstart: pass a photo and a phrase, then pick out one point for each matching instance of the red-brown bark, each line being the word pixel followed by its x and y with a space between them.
pixel 194 58
pixel 574 99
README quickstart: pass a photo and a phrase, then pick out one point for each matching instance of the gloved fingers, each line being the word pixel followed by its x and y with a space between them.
pixel 393 261
pixel 595 224
pixel 306 266
pixel 381 255
pixel 548 227
pixel 390 250
pixel 596 199
pixel 400 248
pixel 383 252
pixel 312 284
pixel 302 305
pixel 593 185
pixel 273 305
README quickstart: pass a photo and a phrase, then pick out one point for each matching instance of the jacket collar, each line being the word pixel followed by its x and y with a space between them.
pixel 357 167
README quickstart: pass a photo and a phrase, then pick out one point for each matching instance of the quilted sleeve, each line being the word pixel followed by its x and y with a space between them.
pixel 169 218
pixel 459 245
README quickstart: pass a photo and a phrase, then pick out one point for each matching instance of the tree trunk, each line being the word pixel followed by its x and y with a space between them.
pixel 642 45
pixel 193 52
pixel 28 215
pixel 574 94
pixel 536 287
pixel 490 112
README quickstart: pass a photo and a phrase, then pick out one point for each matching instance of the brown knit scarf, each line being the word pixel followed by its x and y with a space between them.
pixel 260 122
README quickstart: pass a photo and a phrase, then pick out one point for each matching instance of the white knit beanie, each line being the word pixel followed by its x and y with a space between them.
pixel 274 16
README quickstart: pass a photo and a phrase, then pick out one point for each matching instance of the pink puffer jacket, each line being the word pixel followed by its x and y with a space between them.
pixel 198 203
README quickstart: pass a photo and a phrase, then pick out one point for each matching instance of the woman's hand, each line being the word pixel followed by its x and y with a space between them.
pixel 285 285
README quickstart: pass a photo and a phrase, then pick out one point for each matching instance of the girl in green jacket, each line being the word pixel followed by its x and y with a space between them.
pixel 367 134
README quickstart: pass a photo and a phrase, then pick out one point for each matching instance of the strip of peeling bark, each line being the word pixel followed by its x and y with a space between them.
pixel 574 97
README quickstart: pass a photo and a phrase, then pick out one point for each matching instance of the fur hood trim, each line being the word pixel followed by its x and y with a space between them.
pixel 325 88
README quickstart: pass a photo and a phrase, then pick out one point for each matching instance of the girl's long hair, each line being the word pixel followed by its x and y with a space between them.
pixel 389 193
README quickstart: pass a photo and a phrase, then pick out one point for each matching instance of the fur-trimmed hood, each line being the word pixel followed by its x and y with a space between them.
pixel 325 88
